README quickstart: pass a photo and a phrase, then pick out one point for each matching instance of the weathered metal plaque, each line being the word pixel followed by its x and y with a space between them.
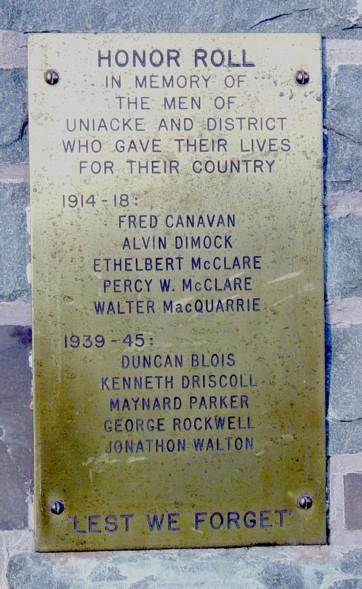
pixel 176 186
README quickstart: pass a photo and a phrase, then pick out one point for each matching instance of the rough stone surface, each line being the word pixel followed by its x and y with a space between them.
pixel 13 116
pixel 13 49
pixel 344 125
pixel 352 563
pixel 14 244
pixel 347 584
pixel 258 568
pixel 345 367
pixel 15 426
pixel 344 437
pixel 333 18
pixel 283 576
pixel 105 571
pixel 35 571
pixel 343 258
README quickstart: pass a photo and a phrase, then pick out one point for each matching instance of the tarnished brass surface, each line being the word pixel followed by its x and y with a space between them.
pixel 245 486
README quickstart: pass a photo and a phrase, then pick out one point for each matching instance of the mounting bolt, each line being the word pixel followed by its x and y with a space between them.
pixel 57 507
pixel 304 501
pixel 51 77
pixel 302 77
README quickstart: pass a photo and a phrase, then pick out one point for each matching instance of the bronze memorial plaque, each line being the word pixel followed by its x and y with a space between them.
pixel 176 187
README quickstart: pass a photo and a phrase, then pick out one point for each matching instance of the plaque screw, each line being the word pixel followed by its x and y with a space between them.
pixel 304 501
pixel 57 507
pixel 51 77
pixel 302 77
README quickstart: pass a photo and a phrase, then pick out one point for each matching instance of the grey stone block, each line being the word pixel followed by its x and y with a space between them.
pixel 258 568
pixel 347 584
pixel 13 242
pixel 344 162
pixel 344 124
pixel 351 563
pixel 36 571
pixel 15 426
pixel 346 115
pixel 344 437
pixel 335 18
pixel 345 399
pixel 353 505
pixel 13 116
pixel 344 258
pixel 148 582
pixel 13 49
pixel 283 576
pixel 343 499
pixel 105 571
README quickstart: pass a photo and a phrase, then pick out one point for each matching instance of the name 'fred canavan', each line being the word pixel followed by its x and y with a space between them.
pixel 177 220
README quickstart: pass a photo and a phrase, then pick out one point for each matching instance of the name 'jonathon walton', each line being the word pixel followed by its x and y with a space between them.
pixel 171 58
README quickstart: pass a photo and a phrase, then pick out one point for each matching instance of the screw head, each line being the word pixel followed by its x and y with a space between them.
pixel 57 507
pixel 302 77
pixel 51 77
pixel 304 501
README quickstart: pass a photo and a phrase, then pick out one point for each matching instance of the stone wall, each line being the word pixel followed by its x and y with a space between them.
pixel 337 566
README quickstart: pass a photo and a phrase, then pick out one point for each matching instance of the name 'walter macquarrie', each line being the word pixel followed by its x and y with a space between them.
pixel 238 286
